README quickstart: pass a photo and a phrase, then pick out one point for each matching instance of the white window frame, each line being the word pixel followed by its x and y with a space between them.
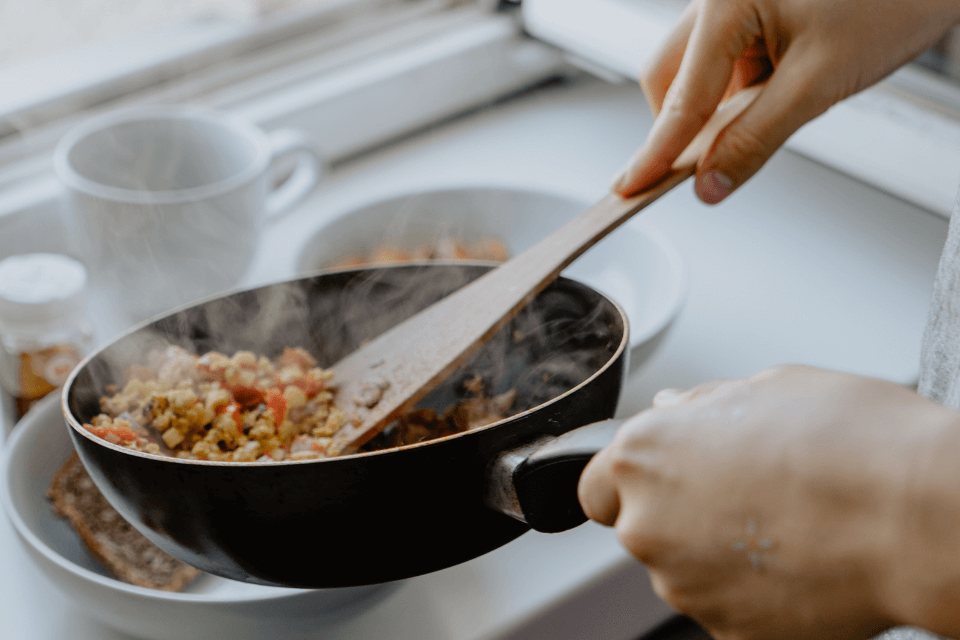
pixel 349 74
pixel 344 72
pixel 37 91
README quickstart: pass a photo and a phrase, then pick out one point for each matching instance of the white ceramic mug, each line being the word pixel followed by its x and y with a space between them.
pixel 167 202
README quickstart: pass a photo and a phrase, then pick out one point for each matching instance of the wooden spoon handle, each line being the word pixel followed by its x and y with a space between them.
pixel 398 368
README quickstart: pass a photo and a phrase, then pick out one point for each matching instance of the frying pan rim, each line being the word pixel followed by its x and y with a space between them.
pixel 77 428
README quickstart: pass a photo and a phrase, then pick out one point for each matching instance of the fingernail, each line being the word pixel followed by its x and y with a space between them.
pixel 624 175
pixel 713 186
pixel 618 180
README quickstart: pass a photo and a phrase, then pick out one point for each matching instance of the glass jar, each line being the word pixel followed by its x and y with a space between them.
pixel 43 328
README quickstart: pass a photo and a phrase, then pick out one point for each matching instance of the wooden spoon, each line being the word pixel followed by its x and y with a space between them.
pixel 391 373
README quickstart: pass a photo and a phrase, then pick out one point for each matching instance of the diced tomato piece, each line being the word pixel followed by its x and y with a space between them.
pixel 116 435
pixel 277 404
pixel 246 397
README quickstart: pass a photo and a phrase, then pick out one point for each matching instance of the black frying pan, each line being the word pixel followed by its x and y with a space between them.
pixel 382 515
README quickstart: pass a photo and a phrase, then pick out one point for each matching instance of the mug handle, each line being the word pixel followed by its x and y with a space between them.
pixel 305 175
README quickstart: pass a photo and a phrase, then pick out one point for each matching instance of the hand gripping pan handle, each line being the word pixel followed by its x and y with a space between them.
pixel 537 483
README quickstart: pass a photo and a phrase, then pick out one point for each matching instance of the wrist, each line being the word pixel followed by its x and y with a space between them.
pixel 920 569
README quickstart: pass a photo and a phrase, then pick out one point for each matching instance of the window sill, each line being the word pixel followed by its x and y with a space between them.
pixel 349 99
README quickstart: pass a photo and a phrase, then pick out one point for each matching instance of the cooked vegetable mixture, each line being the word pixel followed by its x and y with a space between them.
pixel 244 408
pixel 216 407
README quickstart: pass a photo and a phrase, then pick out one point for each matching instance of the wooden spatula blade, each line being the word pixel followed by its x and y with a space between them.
pixel 391 373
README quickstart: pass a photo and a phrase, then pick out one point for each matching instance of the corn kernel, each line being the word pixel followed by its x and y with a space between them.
pixel 295 397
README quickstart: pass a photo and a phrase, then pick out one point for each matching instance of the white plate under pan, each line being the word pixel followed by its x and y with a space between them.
pixel 211 607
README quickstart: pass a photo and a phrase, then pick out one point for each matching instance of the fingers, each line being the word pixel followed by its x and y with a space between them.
pixel 662 69
pixel 616 466
pixel 669 398
pixel 751 68
pixel 597 490
pixel 624 462
pixel 672 397
pixel 719 37
pixel 716 50
pixel 789 100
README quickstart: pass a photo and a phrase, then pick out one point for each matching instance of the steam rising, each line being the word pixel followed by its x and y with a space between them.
pixel 554 344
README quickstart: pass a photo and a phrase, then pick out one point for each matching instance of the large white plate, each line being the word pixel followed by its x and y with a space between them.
pixel 212 607
pixel 641 270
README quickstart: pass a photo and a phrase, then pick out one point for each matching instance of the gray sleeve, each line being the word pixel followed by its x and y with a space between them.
pixel 940 352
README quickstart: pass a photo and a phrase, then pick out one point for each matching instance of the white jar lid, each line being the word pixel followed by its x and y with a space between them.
pixel 40 287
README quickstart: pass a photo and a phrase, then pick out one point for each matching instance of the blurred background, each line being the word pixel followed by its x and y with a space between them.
pixel 39 27
pixel 944 58
pixel 36 28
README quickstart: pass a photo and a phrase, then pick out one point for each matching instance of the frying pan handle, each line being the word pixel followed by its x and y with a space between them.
pixel 537 483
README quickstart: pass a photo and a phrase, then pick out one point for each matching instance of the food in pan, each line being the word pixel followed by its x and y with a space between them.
pixel 217 407
pixel 419 425
pixel 446 249
pixel 120 548
pixel 244 408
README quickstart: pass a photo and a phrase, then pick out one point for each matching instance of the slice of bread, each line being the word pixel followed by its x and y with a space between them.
pixel 123 550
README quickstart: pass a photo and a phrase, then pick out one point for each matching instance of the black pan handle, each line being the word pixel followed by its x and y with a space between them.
pixel 537 483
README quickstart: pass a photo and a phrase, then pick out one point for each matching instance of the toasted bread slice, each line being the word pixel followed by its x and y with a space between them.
pixel 123 550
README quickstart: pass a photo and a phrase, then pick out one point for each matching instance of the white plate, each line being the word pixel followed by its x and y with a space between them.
pixel 210 607
pixel 641 270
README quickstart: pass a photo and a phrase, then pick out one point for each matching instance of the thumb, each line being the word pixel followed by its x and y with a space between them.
pixel 791 98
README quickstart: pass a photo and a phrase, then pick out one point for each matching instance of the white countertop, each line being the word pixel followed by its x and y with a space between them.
pixel 804 265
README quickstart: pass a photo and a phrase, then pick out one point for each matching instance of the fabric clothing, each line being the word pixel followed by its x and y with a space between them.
pixel 940 353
